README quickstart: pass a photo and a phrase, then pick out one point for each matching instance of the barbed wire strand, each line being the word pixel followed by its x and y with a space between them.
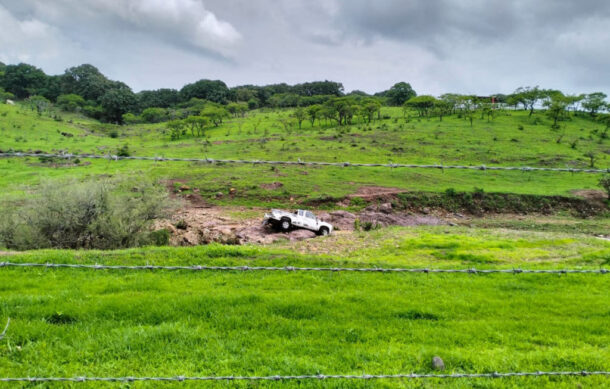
pixel 309 377
pixel 3 334
pixel 304 163
pixel 314 269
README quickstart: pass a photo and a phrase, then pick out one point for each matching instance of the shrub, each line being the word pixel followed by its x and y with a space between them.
pixel 160 237
pixel 123 151
pixel 94 214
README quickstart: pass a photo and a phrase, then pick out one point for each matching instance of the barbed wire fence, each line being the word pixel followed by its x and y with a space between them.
pixel 307 269
pixel 300 162
pixel 320 377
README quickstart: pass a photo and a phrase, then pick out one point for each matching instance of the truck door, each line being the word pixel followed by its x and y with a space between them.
pixel 310 221
pixel 300 218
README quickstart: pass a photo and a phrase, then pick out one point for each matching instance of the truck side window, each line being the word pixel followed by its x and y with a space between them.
pixel 309 215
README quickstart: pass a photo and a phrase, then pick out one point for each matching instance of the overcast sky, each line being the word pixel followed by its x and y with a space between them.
pixel 466 46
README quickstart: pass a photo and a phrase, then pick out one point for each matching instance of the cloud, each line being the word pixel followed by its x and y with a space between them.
pixel 28 39
pixel 469 46
pixel 178 22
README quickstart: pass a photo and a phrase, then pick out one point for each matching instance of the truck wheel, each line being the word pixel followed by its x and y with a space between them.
pixel 324 231
pixel 285 225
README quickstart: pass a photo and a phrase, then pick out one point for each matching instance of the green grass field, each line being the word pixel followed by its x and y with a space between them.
pixel 452 141
pixel 161 323
pixel 122 323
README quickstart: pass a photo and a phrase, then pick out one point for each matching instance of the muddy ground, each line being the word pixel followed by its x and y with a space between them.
pixel 199 222
pixel 194 225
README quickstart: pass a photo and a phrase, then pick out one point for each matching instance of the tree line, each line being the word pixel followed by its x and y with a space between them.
pixel 85 89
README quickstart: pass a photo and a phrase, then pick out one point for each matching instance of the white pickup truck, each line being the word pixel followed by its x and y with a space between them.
pixel 298 219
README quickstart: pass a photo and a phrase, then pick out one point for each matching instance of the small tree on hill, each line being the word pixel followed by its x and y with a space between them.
pixel 594 102
pixel 196 124
pixel 556 106
pixel 300 115
pixel 422 104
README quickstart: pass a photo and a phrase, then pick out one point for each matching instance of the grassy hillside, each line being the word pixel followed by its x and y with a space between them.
pixel 116 323
pixel 76 322
pixel 511 139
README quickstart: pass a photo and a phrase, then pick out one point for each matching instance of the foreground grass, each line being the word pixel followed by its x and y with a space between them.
pixel 121 323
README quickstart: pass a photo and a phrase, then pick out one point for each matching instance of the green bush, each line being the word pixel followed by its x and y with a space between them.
pixel 94 214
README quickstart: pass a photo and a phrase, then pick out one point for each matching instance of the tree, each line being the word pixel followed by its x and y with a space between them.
pixel 313 112
pixel 215 114
pixel 318 88
pixel 71 102
pixel 442 108
pixel 117 102
pixel 370 107
pixel 529 97
pixel 344 109
pixel 237 109
pixel 176 128
pixel 23 80
pixel 422 104
pixel 196 124
pixel 399 94
pixel 556 106
pixel 212 90
pixel 160 98
pixel 86 81
pixel 154 115
pixel 300 115
pixel 253 103
pixel 594 102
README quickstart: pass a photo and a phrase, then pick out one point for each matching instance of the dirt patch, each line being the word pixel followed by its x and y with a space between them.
pixel 272 186
pixel 192 226
pixel 382 215
pixel 195 226
pixel 591 194
pixel 376 192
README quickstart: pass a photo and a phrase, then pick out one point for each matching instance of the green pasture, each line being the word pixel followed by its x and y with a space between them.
pixel 511 139
pixel 122 323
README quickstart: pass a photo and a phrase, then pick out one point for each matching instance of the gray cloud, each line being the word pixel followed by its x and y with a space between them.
pixel 438 45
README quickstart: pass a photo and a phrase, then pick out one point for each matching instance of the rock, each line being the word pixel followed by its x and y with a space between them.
pixel 438 364
pixel 452 224
pixel 301 235
pixel 385 208
pixel 232 191
pixel 219 195
pixel 185 187
pixel 425 211
pixel 459 215
pixel 190 238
